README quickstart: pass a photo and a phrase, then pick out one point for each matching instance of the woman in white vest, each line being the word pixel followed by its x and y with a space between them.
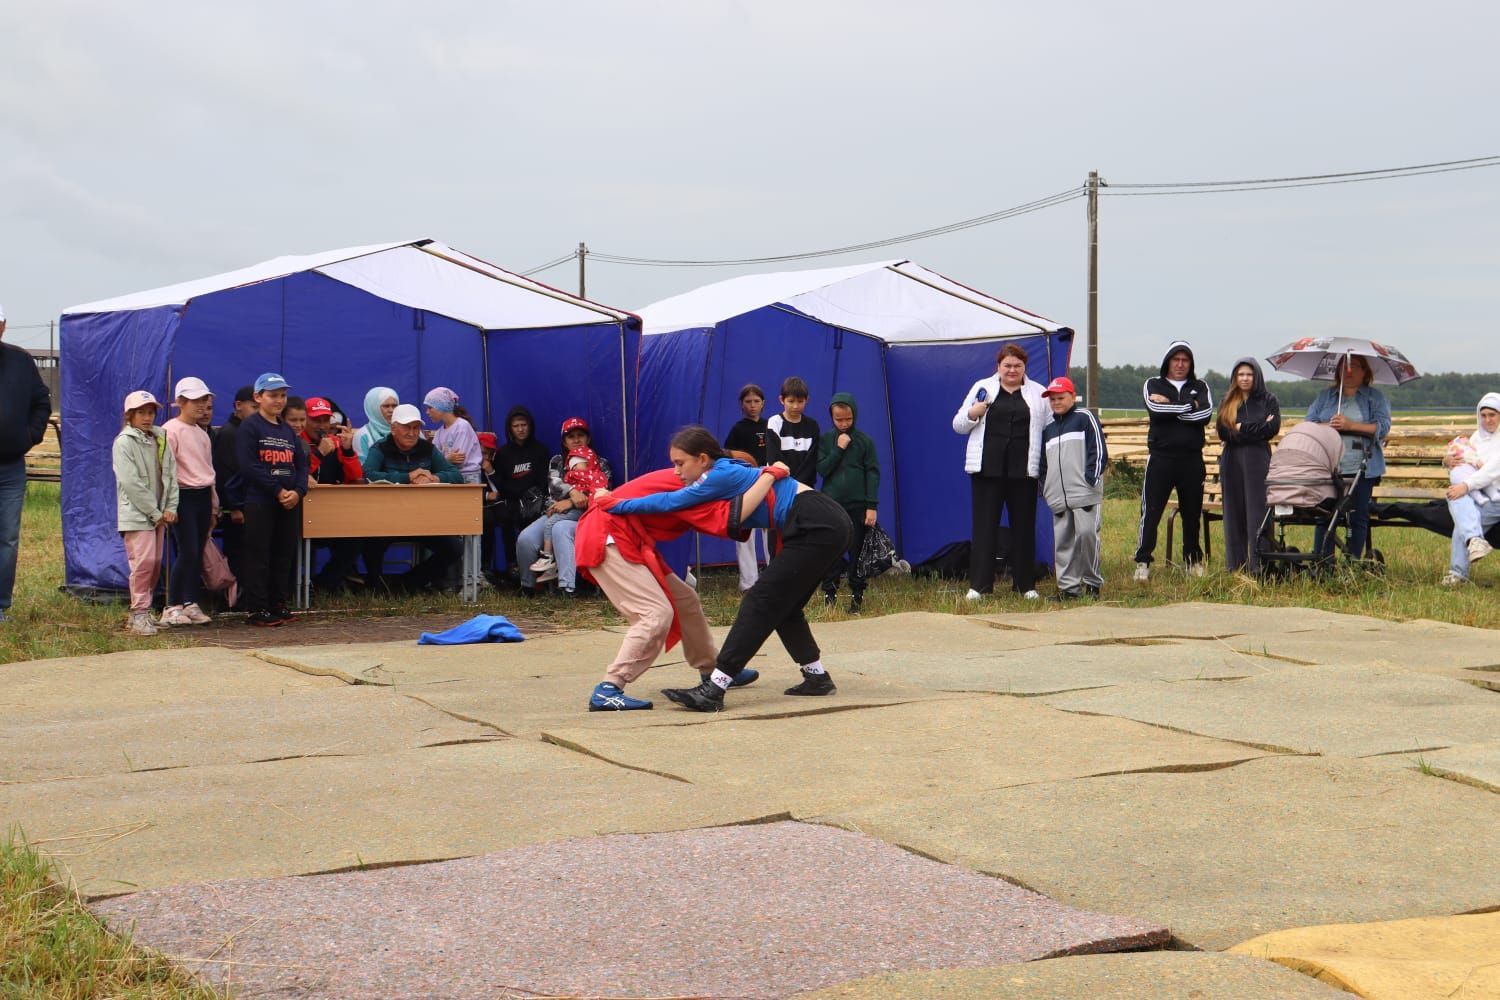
pixel 1003 415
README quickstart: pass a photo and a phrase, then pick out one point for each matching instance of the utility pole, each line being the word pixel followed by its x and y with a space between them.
pixel 583 252
pixel 1091 381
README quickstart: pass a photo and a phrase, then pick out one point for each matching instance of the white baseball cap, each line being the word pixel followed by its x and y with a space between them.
pixel 140 398
pixel 406 414
pixel 191 387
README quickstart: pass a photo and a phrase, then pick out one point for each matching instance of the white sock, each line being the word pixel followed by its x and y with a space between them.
pixel 815 667
pixel 720 678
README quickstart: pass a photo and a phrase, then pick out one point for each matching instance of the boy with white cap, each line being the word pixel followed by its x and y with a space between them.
pixel 146 501
pixel 196 502
pixel 273 467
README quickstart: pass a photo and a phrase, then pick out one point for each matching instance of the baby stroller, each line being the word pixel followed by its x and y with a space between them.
pixel 1304 487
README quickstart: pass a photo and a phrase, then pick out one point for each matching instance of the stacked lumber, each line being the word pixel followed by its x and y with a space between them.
pixel 44 462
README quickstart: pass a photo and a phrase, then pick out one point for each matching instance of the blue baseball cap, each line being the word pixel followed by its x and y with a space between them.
pixel 270 380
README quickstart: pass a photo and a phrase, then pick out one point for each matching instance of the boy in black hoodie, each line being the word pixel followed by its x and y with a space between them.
pixel 749 436
pixel 520 468
pixel 850 468
pixel 1180 406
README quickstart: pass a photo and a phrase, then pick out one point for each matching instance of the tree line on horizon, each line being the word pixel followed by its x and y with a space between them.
pixel 1120 388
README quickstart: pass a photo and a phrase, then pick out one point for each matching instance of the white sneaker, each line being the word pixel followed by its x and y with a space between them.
pixel 1032 595
pixel 1478 549
pixel 544 561
pixel 548 574
pixel 174 615
pixel 1142 572
pixel 973 595
pixel 140 624
pixel 1452 579
pixel 195 614
pixel 1196 569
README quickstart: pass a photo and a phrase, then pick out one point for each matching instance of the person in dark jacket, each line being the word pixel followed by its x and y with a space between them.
pixel 404 456
pixel 1249 418
pixel 850 468
pixel 273 467
pixel 748 435
pixel 1073 461
pixel 1179 405
pixel 227 478
pixel 25 405
pixel 520 469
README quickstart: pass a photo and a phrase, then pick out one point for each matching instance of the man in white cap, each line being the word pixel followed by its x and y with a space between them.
pixel 404 456
pixel 25 405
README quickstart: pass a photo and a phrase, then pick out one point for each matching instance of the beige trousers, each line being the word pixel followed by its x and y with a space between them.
pixel 635 593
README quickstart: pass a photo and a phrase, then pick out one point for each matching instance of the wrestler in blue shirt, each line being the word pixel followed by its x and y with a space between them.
pixel 727 479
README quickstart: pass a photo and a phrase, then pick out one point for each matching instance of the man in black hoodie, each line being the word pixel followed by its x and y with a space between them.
pixel 1180 406
pixel 25 405
pixel 520 469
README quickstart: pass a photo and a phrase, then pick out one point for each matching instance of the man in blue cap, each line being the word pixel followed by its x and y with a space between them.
pixel 273 467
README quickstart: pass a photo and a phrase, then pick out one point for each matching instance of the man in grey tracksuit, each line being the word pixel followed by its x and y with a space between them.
pixel 1072 475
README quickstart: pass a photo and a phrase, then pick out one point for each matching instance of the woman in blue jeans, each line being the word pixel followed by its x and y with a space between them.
pixel 1361 415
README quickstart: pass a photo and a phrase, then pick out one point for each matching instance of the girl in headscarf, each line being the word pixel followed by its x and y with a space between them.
pixel 455 437
pixel 380 403
pixel 1249 418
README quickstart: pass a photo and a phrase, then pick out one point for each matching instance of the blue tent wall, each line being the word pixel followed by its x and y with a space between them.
pixel 108 355
pixel 587 371
pixel 907 395
pixel 328 339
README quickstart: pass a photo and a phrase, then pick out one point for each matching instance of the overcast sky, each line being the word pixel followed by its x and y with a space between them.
pixel 145 145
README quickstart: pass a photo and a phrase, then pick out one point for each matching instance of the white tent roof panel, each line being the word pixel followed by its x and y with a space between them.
pixel 421 274
pixel 895 301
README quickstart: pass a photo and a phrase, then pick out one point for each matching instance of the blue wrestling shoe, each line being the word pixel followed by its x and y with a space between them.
pixel 746 677
pixel 609 698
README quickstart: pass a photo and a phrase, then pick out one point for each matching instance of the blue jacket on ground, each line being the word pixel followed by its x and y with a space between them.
pixel 480 628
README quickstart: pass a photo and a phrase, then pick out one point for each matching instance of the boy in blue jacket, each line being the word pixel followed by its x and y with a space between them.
pixel 1072 476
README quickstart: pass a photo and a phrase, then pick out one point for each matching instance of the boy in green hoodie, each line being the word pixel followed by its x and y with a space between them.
pixel 851 475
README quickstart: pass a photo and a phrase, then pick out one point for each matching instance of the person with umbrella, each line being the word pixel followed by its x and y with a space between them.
pixel 1359 412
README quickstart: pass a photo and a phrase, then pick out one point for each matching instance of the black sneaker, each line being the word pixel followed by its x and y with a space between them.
pixel 856 604
pixel 706 697
pixel 263 619
pixel 283 614
pixel 813 685
pixel 830 597
pixel 1091 590
pixel 1067 595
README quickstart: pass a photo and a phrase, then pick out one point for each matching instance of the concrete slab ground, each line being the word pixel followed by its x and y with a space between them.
pixel 1221 856
pixel 1350 711
pixel 61 743
pixel 1056 668
pixel 119 832
pixel 1157 975
pixel 1189 619
pixel 928 749
pixel 700 913
pixel 143 677
pixel 1477 764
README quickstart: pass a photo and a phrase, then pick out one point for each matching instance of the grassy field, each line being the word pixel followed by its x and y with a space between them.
pixel 52 948
pixel 47 623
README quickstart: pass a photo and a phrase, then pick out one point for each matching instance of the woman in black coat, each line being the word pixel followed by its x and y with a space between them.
pixel 1249 417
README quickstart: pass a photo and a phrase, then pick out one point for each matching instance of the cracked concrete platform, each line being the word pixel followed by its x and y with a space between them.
pixel 703 913
pixel 56 743
pixel 1222 856
pixel 1160 975
pixel 141 830
pixel 870 755
pixel 1351 711
pixel 1477 764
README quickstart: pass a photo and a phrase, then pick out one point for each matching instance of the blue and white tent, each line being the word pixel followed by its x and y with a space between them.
pixel 408 315
pixel 906 341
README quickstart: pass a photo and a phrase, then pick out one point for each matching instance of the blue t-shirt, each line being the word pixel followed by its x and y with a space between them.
pixel 727 478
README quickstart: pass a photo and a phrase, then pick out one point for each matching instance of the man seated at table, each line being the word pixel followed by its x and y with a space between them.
pixel 332 462
pixel 404 456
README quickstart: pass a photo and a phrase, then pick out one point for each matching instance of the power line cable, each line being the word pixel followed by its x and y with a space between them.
pixel 1309 180
pixel 547 266
pixel 1059 198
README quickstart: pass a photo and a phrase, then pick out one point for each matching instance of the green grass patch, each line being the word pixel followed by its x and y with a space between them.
pixel 53 948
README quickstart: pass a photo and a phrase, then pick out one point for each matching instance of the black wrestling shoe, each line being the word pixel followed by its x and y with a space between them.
pixel 706 697
pixel 814 685
pixel 746 677
pixel 857 604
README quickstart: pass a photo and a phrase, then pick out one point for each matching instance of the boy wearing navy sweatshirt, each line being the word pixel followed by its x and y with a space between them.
pixel 273 467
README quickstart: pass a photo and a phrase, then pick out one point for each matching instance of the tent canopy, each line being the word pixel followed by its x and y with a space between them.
pixel 906 341
pixel 409 315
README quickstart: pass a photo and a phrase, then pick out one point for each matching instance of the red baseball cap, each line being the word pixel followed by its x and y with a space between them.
pixel 319 407
pixel 488 440
pixel 574 424
pixel 1058 385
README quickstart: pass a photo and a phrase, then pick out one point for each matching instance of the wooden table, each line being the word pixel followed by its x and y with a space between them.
pixel 392 510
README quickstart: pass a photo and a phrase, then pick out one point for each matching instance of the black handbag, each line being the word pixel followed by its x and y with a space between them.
pixel 877 553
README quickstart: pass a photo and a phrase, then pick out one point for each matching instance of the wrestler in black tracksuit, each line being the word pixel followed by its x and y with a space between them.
pixel 1174 455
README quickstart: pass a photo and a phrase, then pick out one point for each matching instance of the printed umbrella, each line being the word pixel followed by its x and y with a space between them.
pixel 1318 358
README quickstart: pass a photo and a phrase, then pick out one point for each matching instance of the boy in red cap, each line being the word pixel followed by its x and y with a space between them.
pixel 1073 460
pixel 331 458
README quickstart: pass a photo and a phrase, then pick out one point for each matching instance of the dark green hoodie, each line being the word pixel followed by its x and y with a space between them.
pixel 850 475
